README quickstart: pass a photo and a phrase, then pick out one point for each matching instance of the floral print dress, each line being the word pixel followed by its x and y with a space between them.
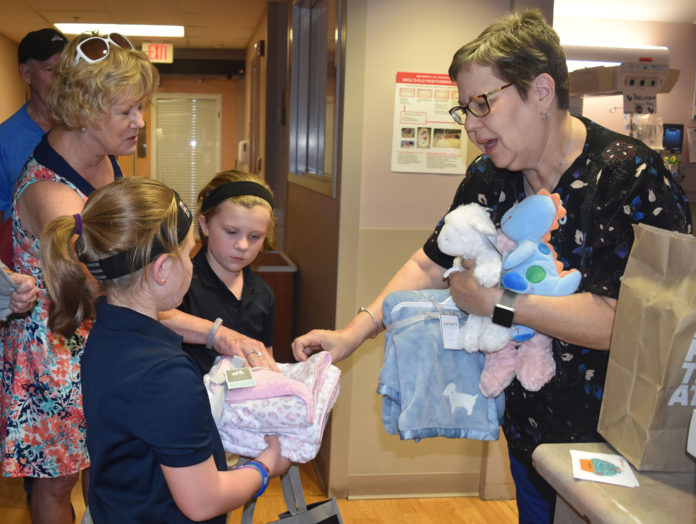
pixel 42 425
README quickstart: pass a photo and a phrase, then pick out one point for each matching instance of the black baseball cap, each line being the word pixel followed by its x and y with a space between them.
pixel 41 45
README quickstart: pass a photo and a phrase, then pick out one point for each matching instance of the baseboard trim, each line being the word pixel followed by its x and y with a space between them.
pixel 498 491
pixel 413 485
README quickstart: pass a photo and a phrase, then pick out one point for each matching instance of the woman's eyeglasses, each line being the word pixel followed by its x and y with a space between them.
pixel 478 106
pixel 96 48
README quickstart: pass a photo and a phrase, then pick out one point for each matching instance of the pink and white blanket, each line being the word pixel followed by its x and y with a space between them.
pixel 293 404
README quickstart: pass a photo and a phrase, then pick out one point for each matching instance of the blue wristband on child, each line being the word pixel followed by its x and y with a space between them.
pixel 263 471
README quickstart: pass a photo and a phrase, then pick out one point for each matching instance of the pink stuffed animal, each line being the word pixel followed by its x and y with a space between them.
pixel 530 361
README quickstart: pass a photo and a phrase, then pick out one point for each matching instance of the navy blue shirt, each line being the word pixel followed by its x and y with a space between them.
pixel 145 406
pixel 45 155
pixel 209 298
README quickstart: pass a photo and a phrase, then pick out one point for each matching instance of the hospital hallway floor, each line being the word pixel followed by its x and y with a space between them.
pixel 466 510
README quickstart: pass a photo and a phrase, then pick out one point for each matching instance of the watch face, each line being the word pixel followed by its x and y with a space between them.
pixel 503 315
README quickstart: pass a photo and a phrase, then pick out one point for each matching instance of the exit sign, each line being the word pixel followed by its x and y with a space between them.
pixel 160 53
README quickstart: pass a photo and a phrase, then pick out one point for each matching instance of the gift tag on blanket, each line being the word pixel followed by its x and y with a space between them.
pixel 239 378
pixel 238 362
pixel 449 325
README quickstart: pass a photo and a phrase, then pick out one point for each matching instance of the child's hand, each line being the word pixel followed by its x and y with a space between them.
pixel 230 342
pixel 271 457
pixel 24 296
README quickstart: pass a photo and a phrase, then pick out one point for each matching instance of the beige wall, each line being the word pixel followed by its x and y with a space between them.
pixel 260 33
pixel 385 216
pixel 12 88
pixel 422 40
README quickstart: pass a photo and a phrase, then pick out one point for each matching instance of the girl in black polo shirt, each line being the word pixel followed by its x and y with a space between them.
pixel 235 219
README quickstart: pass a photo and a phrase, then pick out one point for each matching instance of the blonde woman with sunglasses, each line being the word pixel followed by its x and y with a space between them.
pixel 96 100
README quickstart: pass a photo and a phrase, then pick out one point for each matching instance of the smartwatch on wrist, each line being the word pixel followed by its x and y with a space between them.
pixel 504 312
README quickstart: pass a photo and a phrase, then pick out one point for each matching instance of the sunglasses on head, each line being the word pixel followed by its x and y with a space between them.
pixel 96 48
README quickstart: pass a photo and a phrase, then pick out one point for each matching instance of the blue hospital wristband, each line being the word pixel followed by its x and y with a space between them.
pixel 263 471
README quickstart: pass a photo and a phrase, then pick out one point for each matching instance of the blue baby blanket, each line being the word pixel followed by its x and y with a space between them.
pixel 429 391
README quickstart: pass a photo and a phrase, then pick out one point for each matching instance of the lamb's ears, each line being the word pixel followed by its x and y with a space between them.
pixel 483 225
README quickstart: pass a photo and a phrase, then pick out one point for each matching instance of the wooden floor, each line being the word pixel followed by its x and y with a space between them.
pixel 468 510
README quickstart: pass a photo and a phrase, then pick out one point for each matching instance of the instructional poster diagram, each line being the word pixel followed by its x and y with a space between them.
pixel 425 138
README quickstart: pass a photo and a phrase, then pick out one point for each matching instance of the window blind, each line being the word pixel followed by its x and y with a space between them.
pixel 187 143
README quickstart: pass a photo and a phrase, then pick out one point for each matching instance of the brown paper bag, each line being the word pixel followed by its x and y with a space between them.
pixel 650 389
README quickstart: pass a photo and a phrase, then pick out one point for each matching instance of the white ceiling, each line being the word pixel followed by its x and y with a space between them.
pixel 229 24
pixel 225 24
pixel 680 11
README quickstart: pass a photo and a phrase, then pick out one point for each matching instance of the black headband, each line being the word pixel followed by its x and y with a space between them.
pixel 124 263
pixel 233 189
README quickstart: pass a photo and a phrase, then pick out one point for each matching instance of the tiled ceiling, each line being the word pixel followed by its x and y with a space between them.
pixel 229 24
pixel 223 24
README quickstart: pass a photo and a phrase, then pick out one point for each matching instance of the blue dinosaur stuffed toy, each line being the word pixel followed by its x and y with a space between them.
pixel 532 266
pixel 529 267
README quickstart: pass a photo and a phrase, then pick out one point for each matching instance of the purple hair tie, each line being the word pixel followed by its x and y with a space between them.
pixel 78 223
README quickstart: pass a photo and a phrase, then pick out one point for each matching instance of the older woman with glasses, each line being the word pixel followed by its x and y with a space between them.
pixel 96 99
pixel 514 98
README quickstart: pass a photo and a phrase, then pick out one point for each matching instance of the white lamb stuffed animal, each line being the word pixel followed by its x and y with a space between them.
pixel 469 233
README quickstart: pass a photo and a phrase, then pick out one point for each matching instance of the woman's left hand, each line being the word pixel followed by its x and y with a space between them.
pixel 583 319
pixel 26 293
pixel 469 295
pixel 231 342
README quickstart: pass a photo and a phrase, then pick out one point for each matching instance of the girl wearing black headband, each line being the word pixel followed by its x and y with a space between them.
pixel 235 220
pixel 155 452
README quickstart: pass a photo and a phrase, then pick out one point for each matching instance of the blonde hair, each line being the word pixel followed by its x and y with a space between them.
pixel 519 47
pixel 127 214
pixel 82 93
pixel 248 201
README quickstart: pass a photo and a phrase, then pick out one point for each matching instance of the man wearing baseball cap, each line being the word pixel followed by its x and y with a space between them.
pixel 38 53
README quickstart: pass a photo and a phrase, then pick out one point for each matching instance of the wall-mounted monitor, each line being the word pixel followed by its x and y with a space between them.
pixel 672 138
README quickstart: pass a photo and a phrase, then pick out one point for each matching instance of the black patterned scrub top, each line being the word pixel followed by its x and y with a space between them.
pixel 616 182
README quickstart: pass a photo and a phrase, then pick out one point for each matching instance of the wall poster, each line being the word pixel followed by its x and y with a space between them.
pixel 425 138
